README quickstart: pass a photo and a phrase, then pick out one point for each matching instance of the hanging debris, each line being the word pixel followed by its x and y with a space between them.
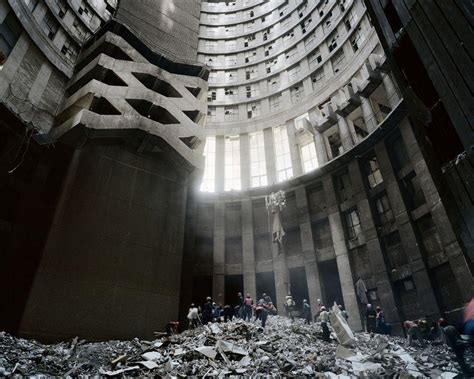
pixel 282 348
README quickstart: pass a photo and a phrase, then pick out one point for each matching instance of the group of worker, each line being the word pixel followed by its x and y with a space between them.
pixel 375 321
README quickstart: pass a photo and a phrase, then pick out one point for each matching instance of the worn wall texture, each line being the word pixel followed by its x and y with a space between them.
pixel 169 27
pixel 112 265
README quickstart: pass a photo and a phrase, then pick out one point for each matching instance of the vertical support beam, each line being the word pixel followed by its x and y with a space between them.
pixel 218 271
pixel 220 156
pixel 244 161
pixel 309 252
pixel 368 114
pixel 426 297
pixel 269 155
pixel 280 268
pixel 342 257
pixel 376 259
pixel 248 251
pixel 453 250
pixel 320 148
pixel 344 133
pixel 390 90
pixel 294 149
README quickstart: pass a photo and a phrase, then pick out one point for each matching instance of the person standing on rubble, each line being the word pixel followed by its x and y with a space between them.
pixel 306 312
pixel 370 318
pixel 266 298
pixel 193 317
pixel 343 312
pixel 240 312
pixel 413 331
pixel 469 319
pixel 248 304
pixel 324 319
pixel 259 308
pixel 289 305
pixel 228 313
pixel 207 311
pixel 451 337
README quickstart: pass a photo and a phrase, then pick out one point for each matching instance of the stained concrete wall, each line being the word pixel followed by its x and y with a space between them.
pixel 169 27
pixel 112 264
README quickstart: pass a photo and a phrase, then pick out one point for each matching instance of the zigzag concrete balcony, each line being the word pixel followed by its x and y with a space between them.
pixel 328 119
pixel 351 102
pixel 370 83
pixel 132 99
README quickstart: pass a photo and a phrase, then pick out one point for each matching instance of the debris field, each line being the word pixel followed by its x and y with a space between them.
pixel 283 348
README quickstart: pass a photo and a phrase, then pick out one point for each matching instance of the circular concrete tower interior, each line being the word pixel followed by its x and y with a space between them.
pixel 157 152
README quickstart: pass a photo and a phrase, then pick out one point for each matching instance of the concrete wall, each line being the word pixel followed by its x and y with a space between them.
pixel 112 264
pixel 169 27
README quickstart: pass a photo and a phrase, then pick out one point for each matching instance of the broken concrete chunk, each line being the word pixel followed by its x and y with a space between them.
pixel 230 347
pixel 150 365
pixel 118 372
pixel 207 351
pixel 152 356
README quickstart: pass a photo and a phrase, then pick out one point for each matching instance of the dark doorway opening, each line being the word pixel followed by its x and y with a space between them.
pixel 202 287
pixel 233 285
pixel 330 283
pixel 298 286
pixel 265 283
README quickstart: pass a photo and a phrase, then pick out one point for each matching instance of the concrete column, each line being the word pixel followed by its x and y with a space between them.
pixel 309 252
pixel 40 83
pixel 376 259
pixel 344 133
pixel 448 238
pixel 320 148
pixel 220 156
pixel 426 297
pixel 218 270
pixel 280 268
pixel 342 257
pixel 12 64
pixel 368 114
pixel 248 251
pixel 4 9
pixel 390 90
pixel 294 149
pixel 269 155
pixel 244 161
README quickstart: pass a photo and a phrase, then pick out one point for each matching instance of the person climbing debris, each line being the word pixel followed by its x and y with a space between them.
pixel 248 304
pixel 306 312
pixel 324 318
pixel 289 306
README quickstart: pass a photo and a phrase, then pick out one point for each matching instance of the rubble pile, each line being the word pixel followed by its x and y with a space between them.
pixel 233 348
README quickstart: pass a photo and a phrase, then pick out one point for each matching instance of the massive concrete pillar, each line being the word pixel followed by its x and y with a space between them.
pixel 368 114
pixel 294 149
pixel 342 258
pixel 390 90
pixel 309 252
pixel 218 271
pixel 344 133
pixel 248 251
pixel 320 148
pixel 244 161
pixel 220 163
pixel 426 297
pixel 269 155
pixel 448 238
pixel 377 263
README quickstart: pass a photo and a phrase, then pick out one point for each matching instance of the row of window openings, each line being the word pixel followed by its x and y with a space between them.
pixel 348 21
pixel 258 173
pixel 314 58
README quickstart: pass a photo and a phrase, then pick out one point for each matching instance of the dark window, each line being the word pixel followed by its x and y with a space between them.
pixel 384 210
pixel 412 191
pixel 353 224
pixel 10 31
